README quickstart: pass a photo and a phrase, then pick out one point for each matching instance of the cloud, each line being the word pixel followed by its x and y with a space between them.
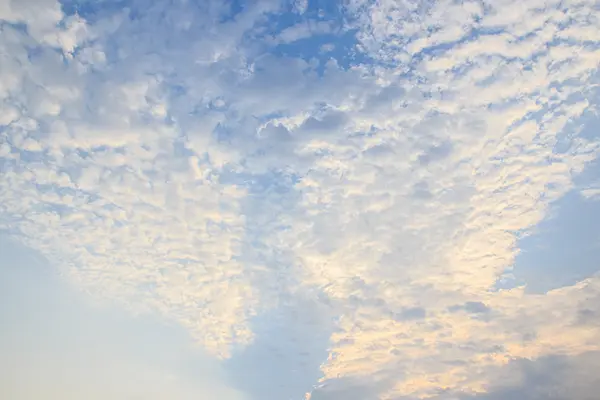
pixel 551 377
pixel 590 193
pixel 57 344
pixel 109 154
pixel 169 160
pixel 489 122
pixel 472 307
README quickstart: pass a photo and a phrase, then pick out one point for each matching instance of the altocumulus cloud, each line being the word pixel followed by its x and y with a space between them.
pixel 207 162
pixel 57 344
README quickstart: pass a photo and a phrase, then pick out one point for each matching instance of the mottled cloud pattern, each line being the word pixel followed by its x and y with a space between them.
pixel 58 344
pixel 375 162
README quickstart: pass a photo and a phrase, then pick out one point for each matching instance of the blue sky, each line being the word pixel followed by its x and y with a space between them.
pixel 300 199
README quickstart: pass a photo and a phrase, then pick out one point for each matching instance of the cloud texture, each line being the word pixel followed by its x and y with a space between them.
pixel 212 163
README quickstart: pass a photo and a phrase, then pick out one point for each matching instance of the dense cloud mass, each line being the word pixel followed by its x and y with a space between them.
pixel 338 188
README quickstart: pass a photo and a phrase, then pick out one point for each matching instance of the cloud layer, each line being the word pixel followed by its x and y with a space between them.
pixel 56 344
pixel 217 164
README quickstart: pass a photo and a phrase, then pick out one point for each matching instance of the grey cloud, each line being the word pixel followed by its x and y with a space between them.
pixel 435 153
pixel 331 121
pixel 274 143
pixel 588 316
pixel 553 377
pixel 349 389
pixel 476 307
pixel 409 314
pixel 275 133
pixel 471 307
pixel 421 191
pixel 379 151
pixel 385 100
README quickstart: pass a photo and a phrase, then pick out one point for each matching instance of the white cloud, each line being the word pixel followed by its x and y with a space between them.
pixel 119 206
pixel 172 166
pixel 591 193
pixel 57 344
pixel 300 6
pixel 303 31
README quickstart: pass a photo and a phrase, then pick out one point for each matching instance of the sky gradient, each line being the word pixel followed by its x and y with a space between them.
pixel 310 199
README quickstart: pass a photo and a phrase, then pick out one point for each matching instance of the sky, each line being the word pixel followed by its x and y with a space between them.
pixel 299 200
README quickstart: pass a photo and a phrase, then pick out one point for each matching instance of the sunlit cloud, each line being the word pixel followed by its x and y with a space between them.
pixel 227 165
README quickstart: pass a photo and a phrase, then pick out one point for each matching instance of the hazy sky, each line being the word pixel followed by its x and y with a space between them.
pixel 310 199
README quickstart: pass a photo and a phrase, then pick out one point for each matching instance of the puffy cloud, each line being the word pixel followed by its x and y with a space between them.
pixel 169 160
pixel 478 144
pixel 118 192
